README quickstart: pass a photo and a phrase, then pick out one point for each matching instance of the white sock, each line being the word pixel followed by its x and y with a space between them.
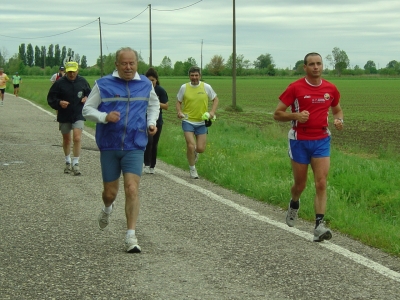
pixel 192 168
pixel 108 209
pixel 68 159
pixel 75 160
pixel 130 232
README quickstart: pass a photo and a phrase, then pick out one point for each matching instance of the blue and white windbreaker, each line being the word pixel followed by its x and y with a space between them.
pixel 136 102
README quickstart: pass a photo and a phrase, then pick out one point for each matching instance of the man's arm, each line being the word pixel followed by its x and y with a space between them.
pixel 214 107
pixel 52 98
pixel 90 110
pixel 179 98
pixel 338 115
pixel 153 109
pixel 86 91
pixel 178 108
pixel 282 115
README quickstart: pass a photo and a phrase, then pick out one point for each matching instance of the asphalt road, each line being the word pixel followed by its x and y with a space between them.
pixel 199 241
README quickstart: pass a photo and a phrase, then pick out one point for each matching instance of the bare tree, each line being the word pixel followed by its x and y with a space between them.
pixel 216 65
pixel 339 60
pixel 3 56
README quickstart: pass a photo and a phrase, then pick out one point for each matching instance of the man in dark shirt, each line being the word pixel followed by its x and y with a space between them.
pixel 68 95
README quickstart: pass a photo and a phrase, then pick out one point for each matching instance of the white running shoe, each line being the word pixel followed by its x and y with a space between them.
pixel 146 169
pixel 104 218
pixel 67 168
pixel 322 233
pixel 151 171
pixel 193 174
pixel 291 216
pixel 75 170
pixel 131 244
pixel 196 156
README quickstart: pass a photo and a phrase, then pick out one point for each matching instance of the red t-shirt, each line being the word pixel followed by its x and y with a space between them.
pixel 301 95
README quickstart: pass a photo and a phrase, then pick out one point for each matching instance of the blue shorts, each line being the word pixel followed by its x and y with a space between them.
pixel 197 129
pixel 114 161
pixel 301 151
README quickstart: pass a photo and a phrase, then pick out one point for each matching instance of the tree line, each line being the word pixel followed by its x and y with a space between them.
pixel 39 60
pixel 46 61
pixel 52 56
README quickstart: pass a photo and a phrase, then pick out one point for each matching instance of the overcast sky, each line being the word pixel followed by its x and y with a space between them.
pixel 286 29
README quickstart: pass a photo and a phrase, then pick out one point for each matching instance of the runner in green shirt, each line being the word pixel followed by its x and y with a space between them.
pixel 16 79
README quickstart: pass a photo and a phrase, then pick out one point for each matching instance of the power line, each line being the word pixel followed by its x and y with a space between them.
pixel 178 8
pixel 47 36
pixel 127 20
pixel 41 37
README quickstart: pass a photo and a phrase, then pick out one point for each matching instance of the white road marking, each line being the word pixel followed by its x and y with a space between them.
pixel 328 245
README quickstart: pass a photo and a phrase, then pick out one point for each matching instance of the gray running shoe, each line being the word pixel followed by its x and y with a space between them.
pixel 193 174
pixel 291 216
pixel 196 156
pixel 67 168
pixel 322 233
pixel 151 171
pixel 146 169
pixel 131 244
pixel 75 169
pixel 104 218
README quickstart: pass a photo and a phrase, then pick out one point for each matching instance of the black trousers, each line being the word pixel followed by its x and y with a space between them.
pixel 150 154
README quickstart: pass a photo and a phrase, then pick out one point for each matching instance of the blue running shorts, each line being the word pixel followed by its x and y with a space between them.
pixel 114 161
pixel 301 151
pixel 197 129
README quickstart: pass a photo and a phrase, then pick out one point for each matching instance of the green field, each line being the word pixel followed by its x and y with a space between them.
pixel 246 151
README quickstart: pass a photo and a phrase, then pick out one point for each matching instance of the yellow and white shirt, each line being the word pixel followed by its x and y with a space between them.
pixel 194 99
pixel 3 80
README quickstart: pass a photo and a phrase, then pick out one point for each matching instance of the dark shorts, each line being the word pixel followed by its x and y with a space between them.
pixel 16 86
pixel 302 151
pixel 2 90
pixel 114 161
pixel 197 129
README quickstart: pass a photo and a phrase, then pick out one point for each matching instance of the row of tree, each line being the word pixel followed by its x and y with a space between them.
pixel 264 66
pixel 42 61
pixel 42 57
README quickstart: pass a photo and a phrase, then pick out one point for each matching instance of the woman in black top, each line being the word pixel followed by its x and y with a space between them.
pixel 150 155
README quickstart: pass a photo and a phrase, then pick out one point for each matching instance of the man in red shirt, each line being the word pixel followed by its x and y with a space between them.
pixel 310 99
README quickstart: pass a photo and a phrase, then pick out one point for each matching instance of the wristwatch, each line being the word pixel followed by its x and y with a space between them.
pixel 341 120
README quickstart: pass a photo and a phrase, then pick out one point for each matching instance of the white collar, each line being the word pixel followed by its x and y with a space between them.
pixel 136 77
pixel 311 83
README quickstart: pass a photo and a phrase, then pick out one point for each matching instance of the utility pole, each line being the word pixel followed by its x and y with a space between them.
pixel 151 46
pixel 201 57
pixel 101 51
pixel 44 57
pixel 234 59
